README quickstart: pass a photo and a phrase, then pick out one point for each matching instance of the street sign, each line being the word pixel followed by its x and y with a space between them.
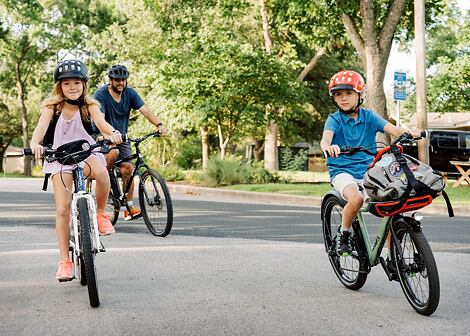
pixel 399 85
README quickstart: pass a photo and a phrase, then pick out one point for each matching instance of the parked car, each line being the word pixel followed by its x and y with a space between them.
pixel 445 146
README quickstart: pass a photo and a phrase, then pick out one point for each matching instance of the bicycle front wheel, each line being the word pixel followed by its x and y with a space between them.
pixel 155 203
pixel 350 270
pixel 88 252
pixel 417 270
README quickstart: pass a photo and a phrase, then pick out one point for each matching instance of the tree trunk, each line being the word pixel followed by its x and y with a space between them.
pixel 258 149
pixel 205 146
pixel 271 161
pixel 24 114
pixel 222 143
pixel 374 50
pixel 270 144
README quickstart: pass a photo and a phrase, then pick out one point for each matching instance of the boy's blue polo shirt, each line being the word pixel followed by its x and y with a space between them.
pixel 350 132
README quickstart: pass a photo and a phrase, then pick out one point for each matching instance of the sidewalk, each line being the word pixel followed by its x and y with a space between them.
pixel 296 200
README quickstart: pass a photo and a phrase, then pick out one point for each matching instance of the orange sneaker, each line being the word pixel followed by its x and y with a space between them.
pixel 104 224
pixel 135 213
pixel 65 271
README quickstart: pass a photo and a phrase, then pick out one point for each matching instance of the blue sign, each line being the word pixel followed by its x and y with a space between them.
pixel 399 85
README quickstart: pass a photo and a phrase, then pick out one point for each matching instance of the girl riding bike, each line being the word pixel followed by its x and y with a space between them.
pixel 65 117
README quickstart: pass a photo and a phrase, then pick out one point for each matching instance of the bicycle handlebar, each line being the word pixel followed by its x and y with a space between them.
pixel 404 138
pixel 50 154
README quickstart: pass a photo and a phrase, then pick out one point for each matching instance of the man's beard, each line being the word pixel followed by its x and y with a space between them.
pixel 116 90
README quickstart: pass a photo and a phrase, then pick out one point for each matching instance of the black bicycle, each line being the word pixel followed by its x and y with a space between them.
pixel 154 197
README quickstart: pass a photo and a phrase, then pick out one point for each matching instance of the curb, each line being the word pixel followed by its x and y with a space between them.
pixel 296 200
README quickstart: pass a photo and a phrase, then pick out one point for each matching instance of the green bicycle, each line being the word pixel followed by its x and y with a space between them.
pixel 411 261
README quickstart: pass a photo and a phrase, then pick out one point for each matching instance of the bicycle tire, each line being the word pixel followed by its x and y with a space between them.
pixel 155 203
pixel 88 253
pixel 113 207
pixel 417 270
pixel 82 271
pixel 351 270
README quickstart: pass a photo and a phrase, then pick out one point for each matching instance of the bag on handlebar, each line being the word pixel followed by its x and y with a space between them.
pixel 399 183
pixel 66 152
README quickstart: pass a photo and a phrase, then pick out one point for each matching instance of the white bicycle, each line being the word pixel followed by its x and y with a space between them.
pixel 85 241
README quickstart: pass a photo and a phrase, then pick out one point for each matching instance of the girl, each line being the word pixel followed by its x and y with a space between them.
pixel 65 117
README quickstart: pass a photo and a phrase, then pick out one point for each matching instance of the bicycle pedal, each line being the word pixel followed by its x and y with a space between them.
pixel 102 248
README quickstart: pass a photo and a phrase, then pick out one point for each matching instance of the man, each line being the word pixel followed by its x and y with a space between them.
pixel 117 100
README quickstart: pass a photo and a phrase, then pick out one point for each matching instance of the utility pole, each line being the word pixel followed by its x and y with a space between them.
pixel 421 116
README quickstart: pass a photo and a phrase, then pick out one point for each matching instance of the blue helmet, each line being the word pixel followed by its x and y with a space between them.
pixel 118 71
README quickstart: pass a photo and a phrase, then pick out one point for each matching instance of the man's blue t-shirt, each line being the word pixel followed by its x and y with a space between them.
pixel 350 132
pixel 117 114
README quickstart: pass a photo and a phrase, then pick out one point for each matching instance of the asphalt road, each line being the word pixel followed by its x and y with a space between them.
pixel 227 268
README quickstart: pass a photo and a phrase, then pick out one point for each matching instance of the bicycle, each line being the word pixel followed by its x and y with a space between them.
pixel 154 197
pixel 85 240
pixel 411 259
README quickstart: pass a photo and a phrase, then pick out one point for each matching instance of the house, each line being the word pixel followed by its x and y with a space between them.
pixel 444 121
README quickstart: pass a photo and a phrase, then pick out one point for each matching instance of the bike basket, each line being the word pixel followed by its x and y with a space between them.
pixel 382 209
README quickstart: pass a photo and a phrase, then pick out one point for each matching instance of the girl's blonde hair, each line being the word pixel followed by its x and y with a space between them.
pixel 57 100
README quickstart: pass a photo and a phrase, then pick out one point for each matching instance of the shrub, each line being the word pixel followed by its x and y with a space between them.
pixel 171 173
pixel 289 161
pixel 226 171
pixel 258 174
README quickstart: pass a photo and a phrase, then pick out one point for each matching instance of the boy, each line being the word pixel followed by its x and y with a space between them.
pixel 351 125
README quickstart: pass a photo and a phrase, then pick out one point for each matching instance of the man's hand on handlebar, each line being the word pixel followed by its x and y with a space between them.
pixel 115 137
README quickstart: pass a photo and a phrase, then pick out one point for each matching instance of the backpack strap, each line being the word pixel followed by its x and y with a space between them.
pixel 413 184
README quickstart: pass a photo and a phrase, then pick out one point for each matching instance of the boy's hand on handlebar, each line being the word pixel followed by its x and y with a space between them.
pixel 333 150
pixel 416 134
pixel 37 150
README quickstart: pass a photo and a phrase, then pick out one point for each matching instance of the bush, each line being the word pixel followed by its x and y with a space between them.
pixel 189 152
pixel 171 173
pixel 260 175
pixel 289 161
pixel 226 171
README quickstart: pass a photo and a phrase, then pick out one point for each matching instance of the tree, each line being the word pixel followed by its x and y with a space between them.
pixel 9 128
pixel 371 27
pixel 33 35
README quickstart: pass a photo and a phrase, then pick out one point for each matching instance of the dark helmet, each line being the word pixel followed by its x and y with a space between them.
pixel 70 69
pixel 118 71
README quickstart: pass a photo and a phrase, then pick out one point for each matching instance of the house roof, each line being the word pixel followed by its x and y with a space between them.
pixel 447 120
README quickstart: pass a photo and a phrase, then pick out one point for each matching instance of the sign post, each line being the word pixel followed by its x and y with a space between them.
pixel 399 90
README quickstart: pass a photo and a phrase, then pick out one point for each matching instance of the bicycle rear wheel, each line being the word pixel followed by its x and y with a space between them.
pixel 155 203
pixel 417 270
pixel 350 270
pixel 113 206
pixel 88 252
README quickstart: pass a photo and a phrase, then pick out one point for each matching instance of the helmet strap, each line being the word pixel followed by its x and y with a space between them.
pixel 80 101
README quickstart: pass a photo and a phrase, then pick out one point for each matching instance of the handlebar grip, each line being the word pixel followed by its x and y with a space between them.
pixel 27 151
pixel 424 134
pixel 125 137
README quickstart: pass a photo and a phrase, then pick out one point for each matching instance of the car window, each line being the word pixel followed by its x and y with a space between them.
pixel 467 140
pixel 448 139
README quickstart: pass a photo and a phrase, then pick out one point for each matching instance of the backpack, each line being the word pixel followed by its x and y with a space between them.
pixel 399 183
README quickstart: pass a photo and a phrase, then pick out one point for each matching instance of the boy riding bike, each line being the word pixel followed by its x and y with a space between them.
pixel 351 125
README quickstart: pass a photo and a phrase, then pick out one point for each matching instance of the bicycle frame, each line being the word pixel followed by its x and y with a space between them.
pixel 373 251
pixel 139 163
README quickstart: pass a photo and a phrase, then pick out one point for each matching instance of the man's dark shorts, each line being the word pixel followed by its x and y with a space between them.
pixel 124 151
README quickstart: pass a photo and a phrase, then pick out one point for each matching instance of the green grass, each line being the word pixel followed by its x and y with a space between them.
pixel 459 195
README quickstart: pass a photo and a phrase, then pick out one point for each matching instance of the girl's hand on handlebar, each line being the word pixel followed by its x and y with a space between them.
pixel 333 150
pixel 37 150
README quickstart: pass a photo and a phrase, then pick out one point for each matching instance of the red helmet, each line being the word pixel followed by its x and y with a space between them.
pixel 347 80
